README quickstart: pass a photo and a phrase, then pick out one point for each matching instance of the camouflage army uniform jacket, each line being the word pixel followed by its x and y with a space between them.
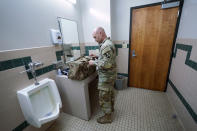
pixel 106 65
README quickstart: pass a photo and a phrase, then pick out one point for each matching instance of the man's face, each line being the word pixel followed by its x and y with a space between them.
pixel 97 37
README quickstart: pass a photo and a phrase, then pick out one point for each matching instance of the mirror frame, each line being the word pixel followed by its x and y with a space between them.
pixel 60 29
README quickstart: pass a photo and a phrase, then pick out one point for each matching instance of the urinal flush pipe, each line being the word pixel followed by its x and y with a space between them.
pixel 32 69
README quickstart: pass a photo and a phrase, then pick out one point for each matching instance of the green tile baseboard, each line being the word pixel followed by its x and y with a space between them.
pixel 21 126
pixel 188 61
pixel 185 103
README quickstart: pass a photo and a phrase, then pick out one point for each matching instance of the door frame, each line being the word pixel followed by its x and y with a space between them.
pixel 174 40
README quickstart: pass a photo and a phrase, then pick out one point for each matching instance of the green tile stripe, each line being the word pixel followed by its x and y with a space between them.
pixel 24 61
pixel 87 48
pixel 41 71
pixel 59 54
pixel 21 126
pixel 13 63
pixel 118 46
pixel 187 106
pixel 123 74
pixel 75 48
pixel 187 48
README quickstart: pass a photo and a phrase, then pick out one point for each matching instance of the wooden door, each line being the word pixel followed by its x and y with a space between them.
pixel 152 35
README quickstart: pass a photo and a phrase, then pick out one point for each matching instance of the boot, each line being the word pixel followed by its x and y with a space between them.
pixel 107 118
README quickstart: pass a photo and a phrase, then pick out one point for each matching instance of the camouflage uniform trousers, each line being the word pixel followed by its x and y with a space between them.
pixel 106 97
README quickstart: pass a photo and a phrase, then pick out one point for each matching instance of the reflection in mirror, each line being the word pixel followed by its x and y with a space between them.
pixel 70 44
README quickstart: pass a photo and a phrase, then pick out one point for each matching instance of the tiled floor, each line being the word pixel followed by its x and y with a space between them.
pixel 135 110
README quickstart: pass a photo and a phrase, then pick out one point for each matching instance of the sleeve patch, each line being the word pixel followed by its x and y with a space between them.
pixel 108 55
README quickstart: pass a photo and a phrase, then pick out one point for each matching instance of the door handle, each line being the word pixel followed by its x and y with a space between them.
pixel 133 53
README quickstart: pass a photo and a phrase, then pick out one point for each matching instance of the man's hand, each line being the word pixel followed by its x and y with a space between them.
pixel 94 56
pixel 91 62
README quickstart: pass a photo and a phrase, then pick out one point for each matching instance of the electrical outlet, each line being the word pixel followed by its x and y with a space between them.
pixel 124 45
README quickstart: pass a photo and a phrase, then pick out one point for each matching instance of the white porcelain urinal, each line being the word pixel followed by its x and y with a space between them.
pixel 40 103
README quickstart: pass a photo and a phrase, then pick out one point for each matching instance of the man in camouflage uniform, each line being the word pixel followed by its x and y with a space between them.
pixel 106 65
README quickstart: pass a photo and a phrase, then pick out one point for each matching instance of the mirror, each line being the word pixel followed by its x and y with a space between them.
pixel 70 39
